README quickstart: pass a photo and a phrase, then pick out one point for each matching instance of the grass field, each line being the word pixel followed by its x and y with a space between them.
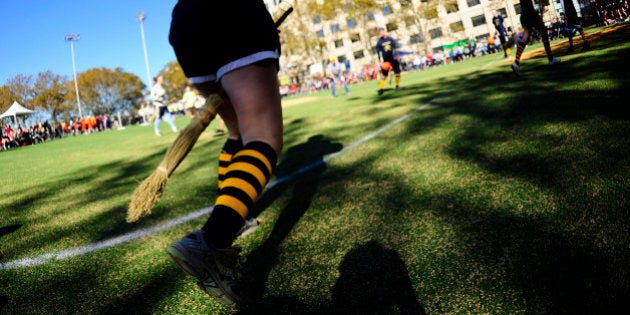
pixel 469 191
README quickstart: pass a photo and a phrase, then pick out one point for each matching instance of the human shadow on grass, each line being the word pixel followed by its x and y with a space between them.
pixel 302 167
pixel 372 280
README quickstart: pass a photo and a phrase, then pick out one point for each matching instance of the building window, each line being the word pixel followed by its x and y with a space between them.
pixel 317 19
pixel 405 3
pixel 478 20
pixel 358 54
pixel 451 7
pixel 355 37
pixel 472 3
pixel 371 16
pixel 351 23
pixel 415 39
pixel 387 10
pixel 320 33
pixel 334 28
pixel 457 26
pixel 338 43
pixel 373 31
pixel 517 8
pixel 391 27
pixel 436 32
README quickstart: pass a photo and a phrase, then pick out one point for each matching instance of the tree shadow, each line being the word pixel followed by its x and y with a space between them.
pixel 9 229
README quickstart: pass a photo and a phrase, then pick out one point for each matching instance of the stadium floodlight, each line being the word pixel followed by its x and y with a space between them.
pixel 141 18
pixel 73 38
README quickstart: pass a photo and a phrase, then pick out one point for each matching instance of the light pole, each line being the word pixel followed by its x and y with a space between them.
pixel 141 18
pixel 72 38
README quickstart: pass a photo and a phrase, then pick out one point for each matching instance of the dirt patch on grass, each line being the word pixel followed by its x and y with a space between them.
pixel 596 39
pixel 296 101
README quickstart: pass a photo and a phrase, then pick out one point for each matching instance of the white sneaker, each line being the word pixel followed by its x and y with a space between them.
pixel 554 61
pixel 157 133
pixel 516 69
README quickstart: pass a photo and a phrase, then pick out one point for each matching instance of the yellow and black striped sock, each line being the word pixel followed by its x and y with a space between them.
pixel 397 79
pixel 519 51
pixel 230 148
pixel 581 30
pixel 246 177
pixel 382 84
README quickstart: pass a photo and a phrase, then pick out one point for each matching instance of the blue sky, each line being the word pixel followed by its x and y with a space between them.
pixel 33 33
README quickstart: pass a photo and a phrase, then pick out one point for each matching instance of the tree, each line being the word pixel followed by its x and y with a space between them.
pixel 174 80
pixel 105 91
pixel 7 97
pixel 50 92
pixel 424 14
pixel 363 11
pixel 21 89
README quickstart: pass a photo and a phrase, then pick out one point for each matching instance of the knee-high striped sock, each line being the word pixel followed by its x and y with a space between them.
pixel 246 177
pixel 519 51
pixel 230 148
pixel 581 30
pixel 381 84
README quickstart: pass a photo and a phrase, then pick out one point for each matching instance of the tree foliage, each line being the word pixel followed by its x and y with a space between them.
pixel 7 97
pixel 174 80
pixel 50 92
pixel 105 91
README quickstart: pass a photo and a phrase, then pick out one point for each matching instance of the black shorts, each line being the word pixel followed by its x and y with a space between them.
pixel 395 66
pixel 211 38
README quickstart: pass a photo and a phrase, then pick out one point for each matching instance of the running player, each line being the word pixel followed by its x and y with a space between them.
pixel 244 71
pixel 573 23
pixel 530 20
pixel 499 26
pixel 386 50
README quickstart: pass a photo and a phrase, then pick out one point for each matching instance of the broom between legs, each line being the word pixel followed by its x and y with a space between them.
pixel 150 190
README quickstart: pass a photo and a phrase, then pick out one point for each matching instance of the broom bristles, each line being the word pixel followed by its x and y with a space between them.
pixel 146 195
pixel 150 190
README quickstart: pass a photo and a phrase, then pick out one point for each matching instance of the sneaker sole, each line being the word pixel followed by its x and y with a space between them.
pixel 180 259
pixel 205 279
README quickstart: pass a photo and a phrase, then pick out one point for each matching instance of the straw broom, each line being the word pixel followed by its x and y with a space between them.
pixel 150 190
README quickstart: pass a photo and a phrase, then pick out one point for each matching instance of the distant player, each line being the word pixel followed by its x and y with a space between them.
pixel 386 50
pixel 530 20
pixel 499 26
pixel 573 23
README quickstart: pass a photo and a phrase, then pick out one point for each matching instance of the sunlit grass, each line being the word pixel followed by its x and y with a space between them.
pixel 490 195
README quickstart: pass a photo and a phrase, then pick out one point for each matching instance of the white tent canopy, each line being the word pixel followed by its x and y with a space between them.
pixel 15 110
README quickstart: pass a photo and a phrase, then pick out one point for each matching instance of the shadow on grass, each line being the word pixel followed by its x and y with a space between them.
pixel 373 280
pixel 573 258
pixel 305 162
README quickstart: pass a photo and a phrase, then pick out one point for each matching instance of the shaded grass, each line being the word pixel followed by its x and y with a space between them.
pixel 495 195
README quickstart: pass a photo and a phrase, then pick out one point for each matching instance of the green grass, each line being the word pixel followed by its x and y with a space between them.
pixel 493 195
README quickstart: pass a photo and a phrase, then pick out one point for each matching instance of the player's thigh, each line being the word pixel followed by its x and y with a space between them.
pixel 254 93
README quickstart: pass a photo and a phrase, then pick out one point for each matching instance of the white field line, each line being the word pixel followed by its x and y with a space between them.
pixel 82 250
